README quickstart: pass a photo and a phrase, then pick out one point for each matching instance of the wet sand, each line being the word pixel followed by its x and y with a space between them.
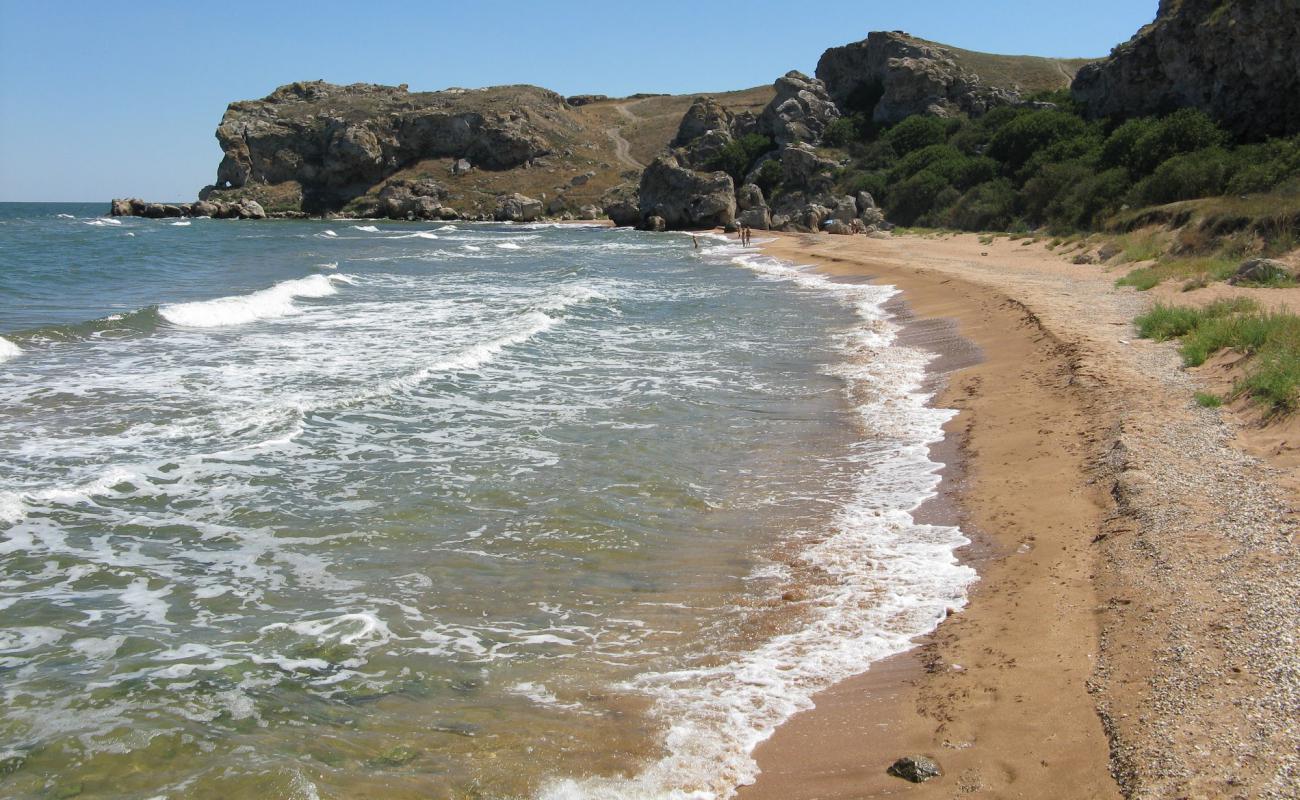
pixel 998 695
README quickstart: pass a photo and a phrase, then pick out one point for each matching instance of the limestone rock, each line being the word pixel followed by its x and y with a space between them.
pixel 894 76
pixel 517 208
pixel 1238 61
pixel 750 197
pixel 758 218
pixel 800 111
pixel 683 198
pixel 802 170
pixel 917 769
pixel 845 210
pixel 338 141
pixel 589 212
pixel 621 205
pixel 1260 270
pixel 704 115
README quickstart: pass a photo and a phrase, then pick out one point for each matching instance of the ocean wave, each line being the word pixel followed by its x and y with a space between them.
pixel 366 228
pixel 102 221
pixel 8 350
pixel 894 579
pixel 181 223
pixel 270 303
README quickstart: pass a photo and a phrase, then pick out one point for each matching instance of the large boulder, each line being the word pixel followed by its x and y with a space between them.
pixel 517 208
pixel 412 199
pixel 1238 61
pixel 893 76
pixel 1261 270
pixel 750 197
pixel 706 149
pixel 802 170
pixel 800 111
pixel 704 115
pixel 759 218
pixel 684 198
pixel 622 206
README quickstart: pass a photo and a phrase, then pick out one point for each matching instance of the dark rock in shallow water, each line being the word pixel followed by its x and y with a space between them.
pixel 917 769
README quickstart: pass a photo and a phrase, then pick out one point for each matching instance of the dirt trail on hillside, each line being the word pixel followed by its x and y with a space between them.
pixel 622 147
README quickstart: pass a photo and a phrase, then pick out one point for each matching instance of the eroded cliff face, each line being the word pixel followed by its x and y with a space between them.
pixel 335 142
pixel 894 76
pixel 1235 59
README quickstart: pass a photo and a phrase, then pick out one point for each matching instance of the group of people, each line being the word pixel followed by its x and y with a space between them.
pixel 745 234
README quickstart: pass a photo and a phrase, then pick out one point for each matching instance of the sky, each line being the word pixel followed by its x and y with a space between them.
pixel 101 100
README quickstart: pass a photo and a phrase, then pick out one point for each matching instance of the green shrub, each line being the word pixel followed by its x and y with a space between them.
pixel 769 177
pixel 1204 173
pixel 1207 400
pixel 1142 279
pixel 740 154
pixel 1182 132
pixel 873 183
pixel 846 130
pixel 914 197
pixel 915 133
pixel 1017 141
pixel 988 206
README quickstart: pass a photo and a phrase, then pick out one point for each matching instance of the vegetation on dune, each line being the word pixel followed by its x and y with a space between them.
pixel 1270 339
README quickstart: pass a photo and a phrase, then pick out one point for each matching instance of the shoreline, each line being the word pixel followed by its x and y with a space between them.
pixel 959 695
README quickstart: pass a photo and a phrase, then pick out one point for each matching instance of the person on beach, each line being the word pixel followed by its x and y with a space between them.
pixel 696 241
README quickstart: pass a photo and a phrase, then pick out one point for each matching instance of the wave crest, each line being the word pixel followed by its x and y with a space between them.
pixel 271 303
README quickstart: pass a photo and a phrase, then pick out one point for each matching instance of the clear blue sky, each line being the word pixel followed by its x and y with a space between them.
pixel 114 99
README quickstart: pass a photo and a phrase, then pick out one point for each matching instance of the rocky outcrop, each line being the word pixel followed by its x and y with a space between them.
pixel 1238 61
pixel 134 207
pixel 337 141
pixel 684 198
pixel 893 76
pixel 800 111
pixel 517 208
pixel 622 206
pixel 704 115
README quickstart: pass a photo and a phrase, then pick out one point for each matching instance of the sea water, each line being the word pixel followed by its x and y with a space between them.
pixel 344 509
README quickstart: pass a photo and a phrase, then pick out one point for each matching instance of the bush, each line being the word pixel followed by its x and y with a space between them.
pixel 1182 132
pixel 914 197
pixel 957 168
pixel 915 133
pixel 740 154
pixel 989 206
pixel 1200 174
pixel 769 177
pixel 873 183
pixel 844 131
pixel 1030 132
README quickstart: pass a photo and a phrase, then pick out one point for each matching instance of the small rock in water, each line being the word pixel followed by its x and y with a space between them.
pixel 917 769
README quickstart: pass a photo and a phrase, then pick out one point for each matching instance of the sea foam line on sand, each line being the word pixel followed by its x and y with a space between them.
pixel 895 579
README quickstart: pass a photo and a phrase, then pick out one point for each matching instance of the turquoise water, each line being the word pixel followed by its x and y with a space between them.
pixel 350 509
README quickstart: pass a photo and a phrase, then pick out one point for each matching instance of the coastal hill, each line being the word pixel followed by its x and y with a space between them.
pixel 313 147
pixel 316 147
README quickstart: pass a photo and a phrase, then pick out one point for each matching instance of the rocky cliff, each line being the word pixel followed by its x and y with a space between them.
pixel 892 76
pixel 1235 59
pixel 335 142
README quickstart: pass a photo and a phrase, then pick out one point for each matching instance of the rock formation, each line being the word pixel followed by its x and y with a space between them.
pixel 684 198
pixel 337 141
pixel 800 111
pixel 1235 59
pixel 134 207
pixel 894 76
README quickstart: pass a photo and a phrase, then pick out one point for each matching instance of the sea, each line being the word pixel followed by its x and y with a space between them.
pixel 354 509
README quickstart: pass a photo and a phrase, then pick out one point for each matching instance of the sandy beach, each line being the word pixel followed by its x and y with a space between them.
pixel 1133 631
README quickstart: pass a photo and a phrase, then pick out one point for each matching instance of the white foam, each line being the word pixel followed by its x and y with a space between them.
pixel 271 303
pixel 328 233
pixel 329 265
pixel 508 246
pixel 102 221
pixel 65 216
pixel 8 350
pixel 894 579
pixel 181 223
pixel 366 228
pixel 471 248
